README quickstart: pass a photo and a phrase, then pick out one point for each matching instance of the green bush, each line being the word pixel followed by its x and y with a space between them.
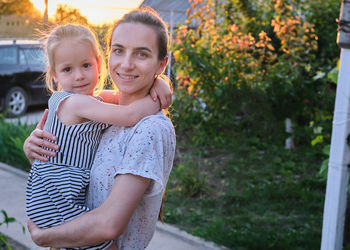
pixel 252 71
pixel 12 137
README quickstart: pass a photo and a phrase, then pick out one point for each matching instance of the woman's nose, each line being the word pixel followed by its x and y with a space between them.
pixel 127 62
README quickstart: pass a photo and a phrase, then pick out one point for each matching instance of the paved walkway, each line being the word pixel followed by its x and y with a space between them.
pixel 12 200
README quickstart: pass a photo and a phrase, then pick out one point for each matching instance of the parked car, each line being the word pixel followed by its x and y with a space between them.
pixel 22 82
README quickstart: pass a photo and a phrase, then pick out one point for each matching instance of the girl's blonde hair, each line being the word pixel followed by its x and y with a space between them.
pixel 82 33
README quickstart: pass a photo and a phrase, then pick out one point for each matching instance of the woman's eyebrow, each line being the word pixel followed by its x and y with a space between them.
pixel 117 45
pixel 144 48
pixel 137 48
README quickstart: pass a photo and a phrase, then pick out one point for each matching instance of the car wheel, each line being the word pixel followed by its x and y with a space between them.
pixel 16 102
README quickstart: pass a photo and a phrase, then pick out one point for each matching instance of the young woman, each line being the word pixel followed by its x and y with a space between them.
pixel 132 165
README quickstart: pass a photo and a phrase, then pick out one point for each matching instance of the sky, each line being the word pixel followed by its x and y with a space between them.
pixel 96 11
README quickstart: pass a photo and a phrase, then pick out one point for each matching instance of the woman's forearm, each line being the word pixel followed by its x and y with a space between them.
pixel 102 224
pixel 86 230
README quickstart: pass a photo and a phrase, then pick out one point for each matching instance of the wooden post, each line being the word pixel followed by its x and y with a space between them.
pixel 289 129
pixel 338 172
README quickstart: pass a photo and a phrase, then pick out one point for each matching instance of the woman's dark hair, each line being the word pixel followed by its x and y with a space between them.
pixel 148 16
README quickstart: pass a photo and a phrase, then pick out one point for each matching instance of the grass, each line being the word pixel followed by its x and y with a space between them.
pixel 246 194
pixel 253 195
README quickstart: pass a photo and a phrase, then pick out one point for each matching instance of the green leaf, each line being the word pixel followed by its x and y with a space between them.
pixel 3 240
pixel 326 149
pixel 324 169
pixel 333 75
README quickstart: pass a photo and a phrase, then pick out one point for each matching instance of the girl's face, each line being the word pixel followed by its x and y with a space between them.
pixel 76 67
pixel 133 60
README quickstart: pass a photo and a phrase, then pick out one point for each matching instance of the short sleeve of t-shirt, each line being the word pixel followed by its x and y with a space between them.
pixel 149 148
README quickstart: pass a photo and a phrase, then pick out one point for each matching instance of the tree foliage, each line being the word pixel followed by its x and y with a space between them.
pixel 251 64
pixel 19 7
pixel 68 14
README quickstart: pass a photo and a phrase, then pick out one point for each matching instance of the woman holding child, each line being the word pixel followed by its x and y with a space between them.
pixel 132 164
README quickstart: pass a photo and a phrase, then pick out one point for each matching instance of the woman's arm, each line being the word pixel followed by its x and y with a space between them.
pixel 104 223
pixel 33 145
pixel 90 108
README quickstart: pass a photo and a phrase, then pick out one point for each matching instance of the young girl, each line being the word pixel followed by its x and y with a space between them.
pixel 56 189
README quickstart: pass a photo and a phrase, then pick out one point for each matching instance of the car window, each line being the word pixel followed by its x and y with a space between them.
pixel 33 56
pixel 8 55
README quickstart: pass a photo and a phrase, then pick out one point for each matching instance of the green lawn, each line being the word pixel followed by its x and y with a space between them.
pixel 248 195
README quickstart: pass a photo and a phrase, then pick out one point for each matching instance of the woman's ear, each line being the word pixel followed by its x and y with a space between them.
pixel 162 65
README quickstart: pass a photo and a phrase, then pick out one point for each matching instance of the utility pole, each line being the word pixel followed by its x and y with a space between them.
pixel 46 16
pixel 338 171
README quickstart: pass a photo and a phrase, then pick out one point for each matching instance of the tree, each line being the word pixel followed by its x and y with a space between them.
pixel 68 14
pixel 19 7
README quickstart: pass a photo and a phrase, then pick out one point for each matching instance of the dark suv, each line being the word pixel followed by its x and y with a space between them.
pixel 22 64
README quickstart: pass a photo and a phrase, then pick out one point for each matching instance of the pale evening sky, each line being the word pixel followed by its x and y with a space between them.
pixel 97 11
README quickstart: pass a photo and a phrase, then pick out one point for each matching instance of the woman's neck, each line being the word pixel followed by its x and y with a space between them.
pixel 126 99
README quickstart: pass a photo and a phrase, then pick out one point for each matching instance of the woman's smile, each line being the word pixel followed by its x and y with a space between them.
pixel 127 76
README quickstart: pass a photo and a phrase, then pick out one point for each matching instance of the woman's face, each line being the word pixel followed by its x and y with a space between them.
pixel 133 61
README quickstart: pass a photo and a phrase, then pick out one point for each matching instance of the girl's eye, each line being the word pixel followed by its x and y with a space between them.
pixel 67 69
pixel 86 65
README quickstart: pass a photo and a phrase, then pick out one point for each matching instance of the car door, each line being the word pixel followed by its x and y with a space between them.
pixel 33 60
pixel 8 67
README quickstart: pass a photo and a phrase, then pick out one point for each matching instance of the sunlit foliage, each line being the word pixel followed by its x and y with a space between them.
pixel 19 7
pixel 246 63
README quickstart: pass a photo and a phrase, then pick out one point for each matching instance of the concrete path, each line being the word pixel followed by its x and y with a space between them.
pixel 12 200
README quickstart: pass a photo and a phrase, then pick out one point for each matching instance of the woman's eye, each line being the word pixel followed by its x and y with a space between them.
pixel 142 54
pixel 118 51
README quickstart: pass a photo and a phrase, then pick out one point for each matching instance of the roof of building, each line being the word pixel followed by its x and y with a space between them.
pixel 164 8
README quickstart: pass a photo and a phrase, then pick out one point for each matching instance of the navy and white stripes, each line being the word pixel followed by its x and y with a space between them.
pixel 56 189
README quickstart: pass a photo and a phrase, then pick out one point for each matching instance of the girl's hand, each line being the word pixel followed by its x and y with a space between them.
pixel 162 91
pixel 33 146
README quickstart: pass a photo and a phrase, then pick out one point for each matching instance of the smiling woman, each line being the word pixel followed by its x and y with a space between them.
pixel 105 11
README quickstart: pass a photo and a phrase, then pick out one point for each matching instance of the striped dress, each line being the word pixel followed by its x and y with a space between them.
pixel 56 189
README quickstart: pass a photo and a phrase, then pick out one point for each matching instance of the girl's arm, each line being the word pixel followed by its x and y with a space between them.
pixel 104 223
pixel 34 145
pixel 161 90
pixel 90 108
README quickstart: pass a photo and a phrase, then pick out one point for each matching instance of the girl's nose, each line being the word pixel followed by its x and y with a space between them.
pixel 79 75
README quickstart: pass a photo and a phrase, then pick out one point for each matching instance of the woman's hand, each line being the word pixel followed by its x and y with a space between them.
pixel 162 91
pixel 33 146
pixel 35 232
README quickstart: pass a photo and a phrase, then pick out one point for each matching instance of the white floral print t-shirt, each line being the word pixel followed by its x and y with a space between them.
pixel 146 150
